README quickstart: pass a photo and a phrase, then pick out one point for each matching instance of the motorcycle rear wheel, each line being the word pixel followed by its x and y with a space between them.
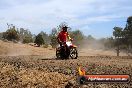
pixel 58 55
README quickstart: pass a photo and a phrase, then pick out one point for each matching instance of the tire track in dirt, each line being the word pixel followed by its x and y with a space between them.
pixel 92 65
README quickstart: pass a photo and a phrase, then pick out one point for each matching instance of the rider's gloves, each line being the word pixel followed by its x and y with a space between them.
pixel 71 39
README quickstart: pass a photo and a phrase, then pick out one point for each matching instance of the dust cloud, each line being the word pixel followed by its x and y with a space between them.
pixel 17 49
pixel 96 48
pixel 87 49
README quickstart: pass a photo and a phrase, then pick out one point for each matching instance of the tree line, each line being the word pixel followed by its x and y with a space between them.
pixel 123 37
pixel 121 40
pixel 25 36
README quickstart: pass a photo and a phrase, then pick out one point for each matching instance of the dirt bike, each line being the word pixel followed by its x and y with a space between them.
pixel 67 50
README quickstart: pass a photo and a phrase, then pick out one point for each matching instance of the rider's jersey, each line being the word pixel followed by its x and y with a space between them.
pixel 63 36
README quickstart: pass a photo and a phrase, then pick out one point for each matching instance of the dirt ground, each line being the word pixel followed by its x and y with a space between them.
pixel 26 66
pixel 16 49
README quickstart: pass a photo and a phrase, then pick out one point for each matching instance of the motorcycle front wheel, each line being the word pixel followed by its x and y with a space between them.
pixel 73 53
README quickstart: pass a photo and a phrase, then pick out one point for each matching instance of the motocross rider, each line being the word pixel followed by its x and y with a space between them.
pixel 63 36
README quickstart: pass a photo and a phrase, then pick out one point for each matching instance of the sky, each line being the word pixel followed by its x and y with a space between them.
pixel 92 17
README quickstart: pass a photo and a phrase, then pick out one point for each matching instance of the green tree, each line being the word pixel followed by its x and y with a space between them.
pixel 127 34
pixel 25 35
pixel 117 33
pixel 11 34
pixel 45 37
pixel 53 38
pixel 77 36
pixel 39 40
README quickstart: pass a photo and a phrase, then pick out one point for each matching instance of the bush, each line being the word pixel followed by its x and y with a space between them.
pixel 53 42
pixel 27 40
pixel 11 34
pixel 45 46
pixel 39 40
pixel 53 38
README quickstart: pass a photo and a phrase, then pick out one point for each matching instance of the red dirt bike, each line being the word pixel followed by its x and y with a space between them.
pixel 66 50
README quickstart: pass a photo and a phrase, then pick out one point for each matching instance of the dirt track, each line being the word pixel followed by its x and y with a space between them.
pixel 44 72
pixel 26 66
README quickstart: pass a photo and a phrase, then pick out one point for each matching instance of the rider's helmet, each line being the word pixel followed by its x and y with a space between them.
pixel 64 28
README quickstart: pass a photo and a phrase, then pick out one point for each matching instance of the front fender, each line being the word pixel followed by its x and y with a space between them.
pixel 73 46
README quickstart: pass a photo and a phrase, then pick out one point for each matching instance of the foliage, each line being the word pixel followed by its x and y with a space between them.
pixel 78 36
pixel 11 34
pixel 25 35
pixel 21 34
pixel 27 40
pixel 117 33
pixel 123 37
pixel 1 35
pixel 127 34
pixel 128 31
pixel 39 40
pixel 53 38
pixel 45 37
